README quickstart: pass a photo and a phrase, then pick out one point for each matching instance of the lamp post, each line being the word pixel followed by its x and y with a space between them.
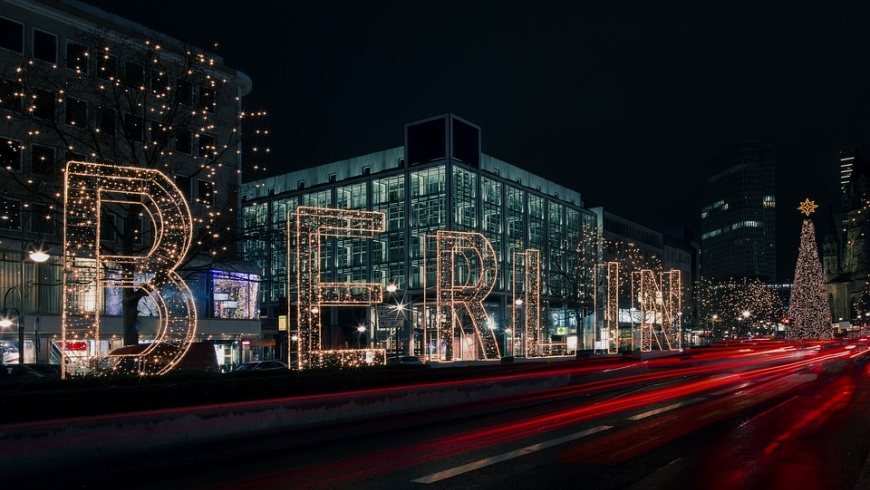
pixel 37 256
pixel 518 304
pixel 359 331
pixel 392 288
pixel 5 322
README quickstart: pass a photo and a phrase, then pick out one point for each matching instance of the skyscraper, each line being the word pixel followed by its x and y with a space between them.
pixel 738 228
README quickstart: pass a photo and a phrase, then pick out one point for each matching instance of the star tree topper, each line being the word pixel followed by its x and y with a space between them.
pixel 808 207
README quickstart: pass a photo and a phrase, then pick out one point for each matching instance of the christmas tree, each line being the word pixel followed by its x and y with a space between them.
pixel 808 309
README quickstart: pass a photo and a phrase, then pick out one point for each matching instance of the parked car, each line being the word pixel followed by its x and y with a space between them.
pixel 405 361
pixel 260 366
pixel 30 371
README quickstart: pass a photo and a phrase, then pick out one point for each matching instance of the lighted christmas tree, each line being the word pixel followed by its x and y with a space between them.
pixel 808 308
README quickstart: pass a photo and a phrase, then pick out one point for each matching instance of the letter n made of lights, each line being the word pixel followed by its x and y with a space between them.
pixel 309 225
pixel 466 274
pixel 660 304
pixel 527 272
pixel 91 190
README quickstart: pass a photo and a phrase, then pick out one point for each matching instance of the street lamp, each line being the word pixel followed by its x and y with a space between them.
pixel 360 330
pixel 518 304
pixel 38 256
pixel 5 322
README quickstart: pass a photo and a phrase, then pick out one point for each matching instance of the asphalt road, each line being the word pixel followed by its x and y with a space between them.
pixel 795 418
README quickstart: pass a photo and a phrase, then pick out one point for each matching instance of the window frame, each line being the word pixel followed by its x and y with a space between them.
pixel 20 151
pixel 20 41
pixel 34 46
pixel 85 66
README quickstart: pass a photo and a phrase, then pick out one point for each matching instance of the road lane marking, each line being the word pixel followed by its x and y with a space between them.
pixel 731 388
pixel 664 409
pixel 448 473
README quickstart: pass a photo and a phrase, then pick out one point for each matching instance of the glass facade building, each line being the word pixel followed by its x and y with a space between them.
pixel 738 216
pixel 439 180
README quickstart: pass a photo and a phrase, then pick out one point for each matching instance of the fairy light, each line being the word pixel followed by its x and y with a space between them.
pixel 466 268
pixel 611 311
pixel 88 270
pixel 808 306
pixel 659 303
pixel 530 264
pixel 310 225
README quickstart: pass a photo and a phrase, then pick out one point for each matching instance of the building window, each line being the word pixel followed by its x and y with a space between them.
pixel 105 121
pixel 77 57
pixel 206 146
pixel 41 220
pixel 206 192
pixel 158 136
pixel 206 98
pixel 185 92
pixel 43 105
pixel 11 35
pixel 183 143
pixel 8 97
pixel 10 154
pixel 76 112
pixel 10 214
pixel 134 128
pixel 134 75
pixel 44 46
pixel 42 159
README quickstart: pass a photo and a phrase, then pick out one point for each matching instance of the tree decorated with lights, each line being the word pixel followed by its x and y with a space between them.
pixel 808 308
pixel 737 307
pixel 144 101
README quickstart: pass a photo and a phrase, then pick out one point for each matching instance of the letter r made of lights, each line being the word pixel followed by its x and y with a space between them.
pixel 91 192
pixel 309 225
pixel 466 265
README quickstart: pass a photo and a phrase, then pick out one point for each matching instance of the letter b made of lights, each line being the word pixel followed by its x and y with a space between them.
pixel 91 192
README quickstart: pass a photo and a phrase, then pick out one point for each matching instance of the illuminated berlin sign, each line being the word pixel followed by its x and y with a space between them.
pixel 466 272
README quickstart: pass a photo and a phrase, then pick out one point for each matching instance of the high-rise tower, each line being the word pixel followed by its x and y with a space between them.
pixel 738 227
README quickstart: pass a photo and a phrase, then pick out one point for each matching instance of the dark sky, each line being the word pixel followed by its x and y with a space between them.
pixel 623 102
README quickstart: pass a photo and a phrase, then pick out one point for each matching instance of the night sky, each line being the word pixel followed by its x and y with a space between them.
pixel 623 102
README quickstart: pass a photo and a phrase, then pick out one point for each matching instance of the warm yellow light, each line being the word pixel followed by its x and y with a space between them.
pixel 39 256
pixel 5 323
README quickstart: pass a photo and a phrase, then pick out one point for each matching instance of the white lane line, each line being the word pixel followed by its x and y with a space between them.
pixel 442 475
pixel 731 388
pixel 664 409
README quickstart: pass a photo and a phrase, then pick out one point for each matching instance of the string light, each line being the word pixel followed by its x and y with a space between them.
pixel 611 311
pixel 87 269
pixel 659 303
pixel 808 307
pixel 309 225
pixel 530 261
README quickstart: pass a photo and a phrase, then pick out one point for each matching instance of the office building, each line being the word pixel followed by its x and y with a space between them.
pixel 438 180
pixel 738 227
pixel 80 84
